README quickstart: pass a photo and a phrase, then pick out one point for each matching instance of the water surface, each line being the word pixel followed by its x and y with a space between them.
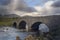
pixel 11 33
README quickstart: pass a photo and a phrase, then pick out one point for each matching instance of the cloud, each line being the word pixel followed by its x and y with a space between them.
pixel 4 7
pixel 49 8
pixel 28 9
pixel 3 10
pixel 56 3
pixel 13 6
pixel 5 2
pixel 19 7
pixel 46 10
pixel 22 6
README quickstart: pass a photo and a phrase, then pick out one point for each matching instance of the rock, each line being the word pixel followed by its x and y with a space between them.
pixel 17 38
pixel 30 37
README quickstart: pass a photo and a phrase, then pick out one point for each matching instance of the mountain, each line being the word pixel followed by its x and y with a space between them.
pixel 10 16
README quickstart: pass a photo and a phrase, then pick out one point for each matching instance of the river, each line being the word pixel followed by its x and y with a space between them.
pixel 11 33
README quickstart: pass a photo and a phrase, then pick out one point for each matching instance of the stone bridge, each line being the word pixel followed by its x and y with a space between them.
pixel 50 21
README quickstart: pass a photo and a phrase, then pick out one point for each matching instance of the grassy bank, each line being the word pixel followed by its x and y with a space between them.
pixel 6 21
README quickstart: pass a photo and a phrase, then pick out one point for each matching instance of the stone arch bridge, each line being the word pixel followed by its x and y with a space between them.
pixel 50 21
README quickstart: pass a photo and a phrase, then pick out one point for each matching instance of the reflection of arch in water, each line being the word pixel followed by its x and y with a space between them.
pixel 35 26
pixel 15 24
pixel 22 25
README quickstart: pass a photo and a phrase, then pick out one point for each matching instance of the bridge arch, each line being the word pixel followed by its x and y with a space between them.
pixel 14 24
pixel 22 24
pixel 35 26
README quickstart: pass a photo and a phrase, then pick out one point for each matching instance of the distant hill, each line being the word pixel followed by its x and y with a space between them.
pixel 9 16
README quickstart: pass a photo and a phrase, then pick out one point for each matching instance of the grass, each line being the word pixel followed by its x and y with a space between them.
pixel 6 21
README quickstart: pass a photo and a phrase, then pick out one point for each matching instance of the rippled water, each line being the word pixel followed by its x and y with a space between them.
pixel 11 33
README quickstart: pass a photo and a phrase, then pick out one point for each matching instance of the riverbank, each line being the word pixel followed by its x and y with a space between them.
pixel 6 21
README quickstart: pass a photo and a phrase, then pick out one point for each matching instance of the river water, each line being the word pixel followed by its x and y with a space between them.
pixel 11 33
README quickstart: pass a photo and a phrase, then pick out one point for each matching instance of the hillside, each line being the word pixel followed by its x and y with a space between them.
pixel 9 16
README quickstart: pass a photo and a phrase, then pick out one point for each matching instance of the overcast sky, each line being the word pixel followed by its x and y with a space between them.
pixel 31 7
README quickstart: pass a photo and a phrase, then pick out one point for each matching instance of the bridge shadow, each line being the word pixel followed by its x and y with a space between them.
pixel 22 25
pixel 14 24
pixel 35 26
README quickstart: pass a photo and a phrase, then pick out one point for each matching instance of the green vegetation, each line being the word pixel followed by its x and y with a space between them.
pixel 6 21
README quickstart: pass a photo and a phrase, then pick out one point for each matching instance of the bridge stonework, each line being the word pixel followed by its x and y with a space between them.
pixel 50 21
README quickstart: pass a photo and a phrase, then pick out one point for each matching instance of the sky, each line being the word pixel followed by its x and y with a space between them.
pixel 30 7
pixel 35 2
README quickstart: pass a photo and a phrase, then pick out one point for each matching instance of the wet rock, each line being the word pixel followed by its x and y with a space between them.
pixel 17 38
pixel 30 37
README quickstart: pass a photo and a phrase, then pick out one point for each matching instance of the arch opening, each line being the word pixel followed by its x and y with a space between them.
pixel 15 24
pixel 22 25
pixel 35 26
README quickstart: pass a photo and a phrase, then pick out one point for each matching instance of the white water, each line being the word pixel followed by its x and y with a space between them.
pixel 11 33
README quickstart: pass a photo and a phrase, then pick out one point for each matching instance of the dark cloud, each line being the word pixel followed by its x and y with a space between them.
pixel 56 4
pixel 22 6
pixel 28 9
pixel 3 11
pixel 5 2
pixel 3 7
pixel 10 7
